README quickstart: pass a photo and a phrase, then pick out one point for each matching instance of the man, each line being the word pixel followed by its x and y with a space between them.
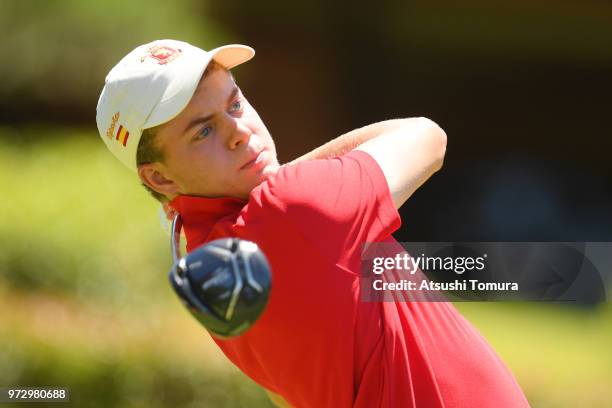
pixel 181 122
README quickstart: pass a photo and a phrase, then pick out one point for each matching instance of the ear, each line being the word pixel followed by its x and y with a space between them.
pixel 153 175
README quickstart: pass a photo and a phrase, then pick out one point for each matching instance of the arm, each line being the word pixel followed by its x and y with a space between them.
pixel 408 155
pixel 349 141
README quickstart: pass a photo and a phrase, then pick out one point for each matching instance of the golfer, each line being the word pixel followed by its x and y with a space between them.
pixel 174 114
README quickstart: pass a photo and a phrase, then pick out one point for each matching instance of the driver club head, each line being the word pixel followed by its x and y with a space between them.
pixel 225 283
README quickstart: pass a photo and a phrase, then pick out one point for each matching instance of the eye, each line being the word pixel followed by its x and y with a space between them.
pixel 236 106
pixel 203 133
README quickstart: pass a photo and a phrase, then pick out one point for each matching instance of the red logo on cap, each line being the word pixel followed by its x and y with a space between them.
pixel 162 53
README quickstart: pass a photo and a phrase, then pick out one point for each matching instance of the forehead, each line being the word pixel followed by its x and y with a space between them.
pixel 215 83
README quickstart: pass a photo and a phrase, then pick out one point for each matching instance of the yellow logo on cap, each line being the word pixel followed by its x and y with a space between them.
pixel 111 130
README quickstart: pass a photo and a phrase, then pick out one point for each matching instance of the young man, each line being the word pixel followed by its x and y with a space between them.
pixel 196 143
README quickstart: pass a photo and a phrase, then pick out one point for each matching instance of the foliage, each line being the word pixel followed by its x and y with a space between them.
pixel 61 50
pixel 76 220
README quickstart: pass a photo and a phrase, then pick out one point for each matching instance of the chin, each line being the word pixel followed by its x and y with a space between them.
pixel 270 170
pixel 263 175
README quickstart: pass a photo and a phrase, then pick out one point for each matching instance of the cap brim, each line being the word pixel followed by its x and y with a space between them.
pixel 232 55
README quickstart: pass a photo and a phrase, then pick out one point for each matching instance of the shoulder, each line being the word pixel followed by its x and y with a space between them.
pixel 324 189
pixel 315 179
pixel 331 203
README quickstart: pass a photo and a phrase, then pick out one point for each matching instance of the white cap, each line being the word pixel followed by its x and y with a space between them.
pixel 150 86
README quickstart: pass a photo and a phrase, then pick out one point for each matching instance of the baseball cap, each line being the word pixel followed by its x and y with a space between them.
pixel 150 86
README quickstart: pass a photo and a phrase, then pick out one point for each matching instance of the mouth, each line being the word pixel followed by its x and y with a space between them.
pixel 255 160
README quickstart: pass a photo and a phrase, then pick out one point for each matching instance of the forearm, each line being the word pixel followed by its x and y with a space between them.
pixel 349 141
pixel 408 156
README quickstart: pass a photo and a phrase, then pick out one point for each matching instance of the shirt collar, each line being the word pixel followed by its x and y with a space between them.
pixel 200 214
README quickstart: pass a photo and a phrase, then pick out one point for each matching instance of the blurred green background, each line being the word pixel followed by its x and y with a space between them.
pixel 84 301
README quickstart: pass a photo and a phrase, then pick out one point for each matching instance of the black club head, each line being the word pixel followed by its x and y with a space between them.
pixel 225 284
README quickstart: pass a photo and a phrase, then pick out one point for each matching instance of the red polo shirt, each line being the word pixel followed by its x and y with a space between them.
pixel 317 344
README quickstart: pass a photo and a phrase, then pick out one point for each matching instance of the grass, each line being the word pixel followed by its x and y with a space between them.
pixel 560 354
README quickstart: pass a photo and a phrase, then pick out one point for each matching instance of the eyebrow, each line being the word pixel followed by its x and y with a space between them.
pixel 204 119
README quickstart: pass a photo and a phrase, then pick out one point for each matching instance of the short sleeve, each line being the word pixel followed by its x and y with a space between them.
pixel 338 204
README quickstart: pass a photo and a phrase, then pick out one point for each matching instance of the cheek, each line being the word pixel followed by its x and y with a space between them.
pixel 188 167
pixel 260 130
pixel 211 168
pixel 253 119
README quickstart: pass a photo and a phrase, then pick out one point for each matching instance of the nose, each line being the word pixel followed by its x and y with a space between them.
pixel 239 134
